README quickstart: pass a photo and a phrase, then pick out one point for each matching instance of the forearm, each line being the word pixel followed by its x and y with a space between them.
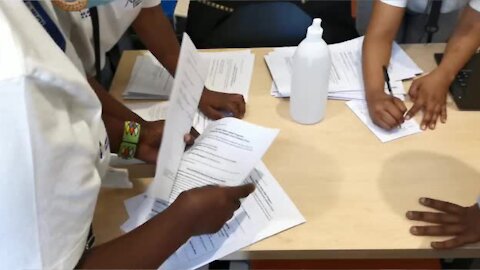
pixel 111 106
pixel 463 43
pixel 146 247
pixel 156 32
pixel 114 129
pixel 377 45
pixel 376 54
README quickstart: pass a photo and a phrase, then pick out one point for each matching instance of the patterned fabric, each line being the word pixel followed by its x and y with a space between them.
pixel 131 136
pixel 131 132
pixel 127 150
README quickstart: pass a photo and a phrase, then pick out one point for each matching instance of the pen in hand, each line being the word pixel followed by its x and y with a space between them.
pixel 387 80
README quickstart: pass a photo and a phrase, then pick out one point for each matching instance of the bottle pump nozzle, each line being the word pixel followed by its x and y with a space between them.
pixel 315 30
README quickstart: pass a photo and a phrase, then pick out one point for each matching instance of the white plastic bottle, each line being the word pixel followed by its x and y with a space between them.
pixel 311 74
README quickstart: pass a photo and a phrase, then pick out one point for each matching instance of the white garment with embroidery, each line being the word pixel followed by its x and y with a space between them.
pixel 53 145
pixel 114 20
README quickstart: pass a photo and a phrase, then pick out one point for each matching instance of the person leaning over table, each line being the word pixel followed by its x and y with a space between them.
pixel 429 92
pixel 113 112
pixel 53 160
pixel 154 30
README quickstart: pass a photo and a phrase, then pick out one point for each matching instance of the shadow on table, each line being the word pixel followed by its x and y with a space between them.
pixel 410 175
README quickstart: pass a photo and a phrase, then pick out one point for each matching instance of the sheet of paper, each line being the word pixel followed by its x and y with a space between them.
pixel 409 127
pixel 281 70
pixel 149 80
pixel 403 66
pixel 230 72
pixel 346 73
pixel 135 206
pixel 115 161
pixel 150 111
pixel 200 122
pixel 264 213
pixel 274 91
pixel 187 89
pixel 224 155
pixel 397 89
pixel 116 178
pixel 133 203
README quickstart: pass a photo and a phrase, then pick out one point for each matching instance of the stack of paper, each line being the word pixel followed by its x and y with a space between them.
pixel 346 81
pixel 149 80
pixel 228 152
pixel 229 72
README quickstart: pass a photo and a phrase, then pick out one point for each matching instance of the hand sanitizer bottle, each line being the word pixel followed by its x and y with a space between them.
pixel 310 78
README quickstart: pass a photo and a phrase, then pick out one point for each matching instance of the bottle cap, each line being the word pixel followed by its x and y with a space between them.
pixel 315 30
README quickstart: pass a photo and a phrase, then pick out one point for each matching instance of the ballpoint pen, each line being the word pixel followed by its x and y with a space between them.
pixel 387 80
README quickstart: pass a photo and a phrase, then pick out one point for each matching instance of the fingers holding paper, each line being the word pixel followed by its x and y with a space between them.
pixel 216 105
pixel 150 138
pixel 386 111
pixel 462 223
pixel 210 207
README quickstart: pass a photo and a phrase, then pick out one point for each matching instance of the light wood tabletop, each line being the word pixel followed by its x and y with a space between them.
pixel 352 189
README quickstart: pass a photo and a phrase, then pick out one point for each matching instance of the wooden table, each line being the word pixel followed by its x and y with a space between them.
pixel 352 189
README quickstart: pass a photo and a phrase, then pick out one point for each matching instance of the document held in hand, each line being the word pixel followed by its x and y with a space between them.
pixel 224 154
pixel 227 153
pixel 187 89
pixel 265 212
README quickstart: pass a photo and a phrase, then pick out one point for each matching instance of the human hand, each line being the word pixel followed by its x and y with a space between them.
pixel 150 137
pixel 463 223
pixel 429 94
pixel 215 104
pixel 386 111
pixel 208 208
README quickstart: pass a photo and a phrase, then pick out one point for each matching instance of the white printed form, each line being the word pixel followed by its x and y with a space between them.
pixel 187 89
pixel 223 155
pixel 346 79
pixel 280 66
pixel 149 80
pixel 230 72
pixel 409 127
pixel 265 212
pixel 150 111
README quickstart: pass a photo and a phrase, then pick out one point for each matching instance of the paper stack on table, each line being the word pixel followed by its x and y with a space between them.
pixel 149 80
pixel 228 153
pixel 229 72
pixel 346 81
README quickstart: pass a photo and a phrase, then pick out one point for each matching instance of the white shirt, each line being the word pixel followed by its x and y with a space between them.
pixel 114 20
pixel 421 6
pixel 50 166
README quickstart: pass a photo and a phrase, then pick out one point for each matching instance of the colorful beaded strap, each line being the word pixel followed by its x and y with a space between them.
pixel 131 136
